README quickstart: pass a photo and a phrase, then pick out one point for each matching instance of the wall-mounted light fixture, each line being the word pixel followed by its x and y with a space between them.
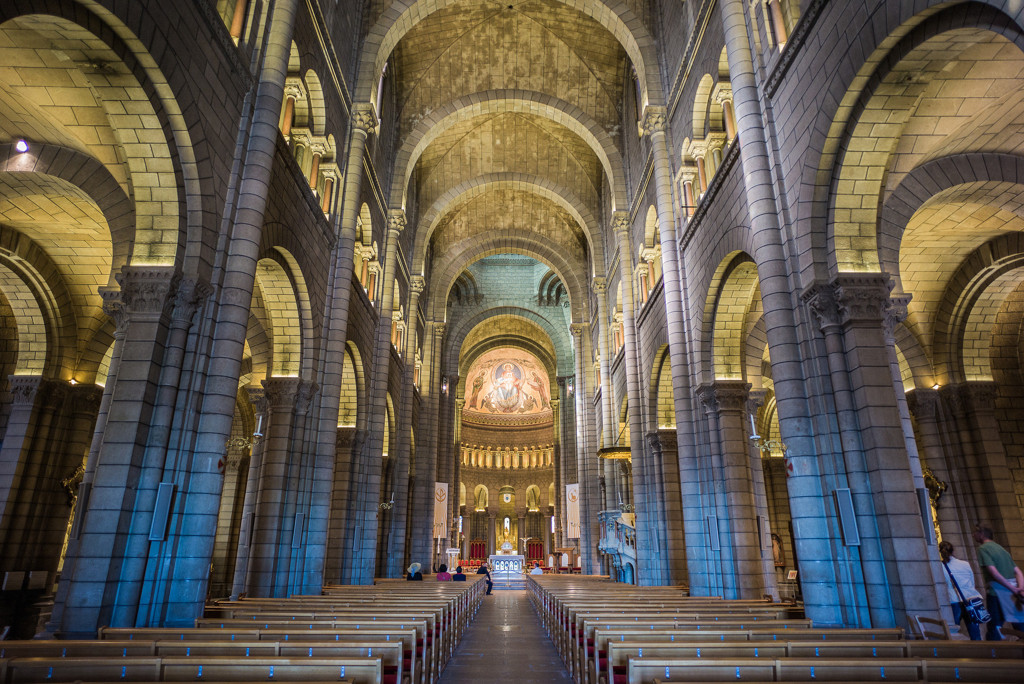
pixel 444 385
pixel 21 145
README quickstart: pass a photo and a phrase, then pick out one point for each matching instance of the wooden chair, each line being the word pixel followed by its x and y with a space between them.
pixel 929 628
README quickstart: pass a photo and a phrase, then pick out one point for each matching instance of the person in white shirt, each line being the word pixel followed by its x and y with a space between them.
pixel 964 576
pixel 537 570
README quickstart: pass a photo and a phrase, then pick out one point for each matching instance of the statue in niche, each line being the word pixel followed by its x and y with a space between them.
pixel 778 553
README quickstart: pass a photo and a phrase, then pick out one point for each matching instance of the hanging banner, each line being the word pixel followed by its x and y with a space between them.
pixel 572 511
pixel 440 510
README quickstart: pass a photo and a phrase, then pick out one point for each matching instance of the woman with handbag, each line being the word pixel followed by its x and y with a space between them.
pixel 963 597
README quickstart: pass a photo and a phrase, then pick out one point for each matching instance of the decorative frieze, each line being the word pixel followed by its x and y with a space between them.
pixel 24 388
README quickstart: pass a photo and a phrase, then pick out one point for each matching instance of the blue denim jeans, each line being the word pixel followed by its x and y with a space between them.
pixel 973 630
pixel 998 618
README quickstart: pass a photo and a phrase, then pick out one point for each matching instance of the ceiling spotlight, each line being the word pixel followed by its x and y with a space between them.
pixel 21 145
pixel 935 386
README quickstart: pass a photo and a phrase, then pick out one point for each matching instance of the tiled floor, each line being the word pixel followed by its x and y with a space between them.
pixel 506 643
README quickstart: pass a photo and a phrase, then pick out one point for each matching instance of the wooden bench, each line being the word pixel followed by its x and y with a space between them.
pixel 172 668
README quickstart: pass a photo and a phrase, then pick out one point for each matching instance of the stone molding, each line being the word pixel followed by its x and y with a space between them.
pixel 304 396
pixel 345 438
pixel 724 395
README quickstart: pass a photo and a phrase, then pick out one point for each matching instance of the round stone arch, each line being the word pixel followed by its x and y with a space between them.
pixel 969 308
pixel 286 302
pixel 464 360
pixel 353 389
pixel 481 184
pixel 616 16
pixel 844 100
pixel 728 302
pixel 162 236
pixel 661 396
pixel 446 271
pixel 509 101
pixel 65 356
pixel 559 352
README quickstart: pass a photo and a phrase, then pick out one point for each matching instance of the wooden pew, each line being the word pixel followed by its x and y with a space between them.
pixel 173 668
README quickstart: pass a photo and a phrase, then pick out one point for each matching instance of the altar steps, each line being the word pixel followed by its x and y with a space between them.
pixel 510 582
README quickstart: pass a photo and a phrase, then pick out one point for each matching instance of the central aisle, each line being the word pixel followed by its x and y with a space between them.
pixel 506 643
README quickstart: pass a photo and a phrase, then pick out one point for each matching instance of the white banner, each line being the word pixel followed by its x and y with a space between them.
pixel 440 510
pixel 572 512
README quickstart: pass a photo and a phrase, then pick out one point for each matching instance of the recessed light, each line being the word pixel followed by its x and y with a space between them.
pixel 21 145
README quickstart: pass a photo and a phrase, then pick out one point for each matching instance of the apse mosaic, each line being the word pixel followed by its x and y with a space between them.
pixel 507 382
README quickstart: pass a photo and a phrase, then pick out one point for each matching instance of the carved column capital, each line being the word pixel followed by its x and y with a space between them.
pixel 732 395
pixel 654 120
pixel 620 222
pixel 417 284
pixel 364 117
pixel 862 297
pixel 114 308
pixel 304 395
pixel 895 312
pixel 280 392
pixel 189 297
pixel 257 397
pixel 345 438
pixel 439 330
pixel 599 285
pixel 576 329
pixel 923 403
pixel 978 395
pixel 146 291
pixel 292 89
pixel 24 388
pixel 396 221
pixel 820 298
pixel 654 443
pixel 86 398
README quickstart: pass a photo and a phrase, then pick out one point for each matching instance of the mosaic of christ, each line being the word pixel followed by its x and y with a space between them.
pixel 506 381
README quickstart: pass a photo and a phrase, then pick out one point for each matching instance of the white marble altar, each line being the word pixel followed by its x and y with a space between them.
pixel 507 564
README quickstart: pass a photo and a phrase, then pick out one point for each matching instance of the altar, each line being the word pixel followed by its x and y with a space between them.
pixel 507 564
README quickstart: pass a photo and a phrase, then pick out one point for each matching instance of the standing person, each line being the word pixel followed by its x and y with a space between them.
pixel 458 576
pixel 1004 581
pixel 485 571
pixel 442 574
pixel 414 573
pixel 959 571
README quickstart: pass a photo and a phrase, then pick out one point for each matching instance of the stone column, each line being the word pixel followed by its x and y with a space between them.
pixel 561 423
pixel 952 502
pixel 721 578
pixel 363 121
pixel 94 565
pixel 820 576
pixel 491 516
pixel 984 472
pixel 162 463
pixel 368 477
pixel 24 389
pixel 397 553
pixel 609 424
pixel 655 125
pixel 646 483
pixel 761 507
pixel 258 399
pixel 427 441
pixel 586 458
pixel 270 532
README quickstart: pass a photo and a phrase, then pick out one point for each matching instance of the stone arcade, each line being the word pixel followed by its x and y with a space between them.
pixel 711 293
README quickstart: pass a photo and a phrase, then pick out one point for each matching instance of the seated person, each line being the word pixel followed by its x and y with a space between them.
pixel 458 576
pixel 414 573
pixel 442 574
pixel 537 570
